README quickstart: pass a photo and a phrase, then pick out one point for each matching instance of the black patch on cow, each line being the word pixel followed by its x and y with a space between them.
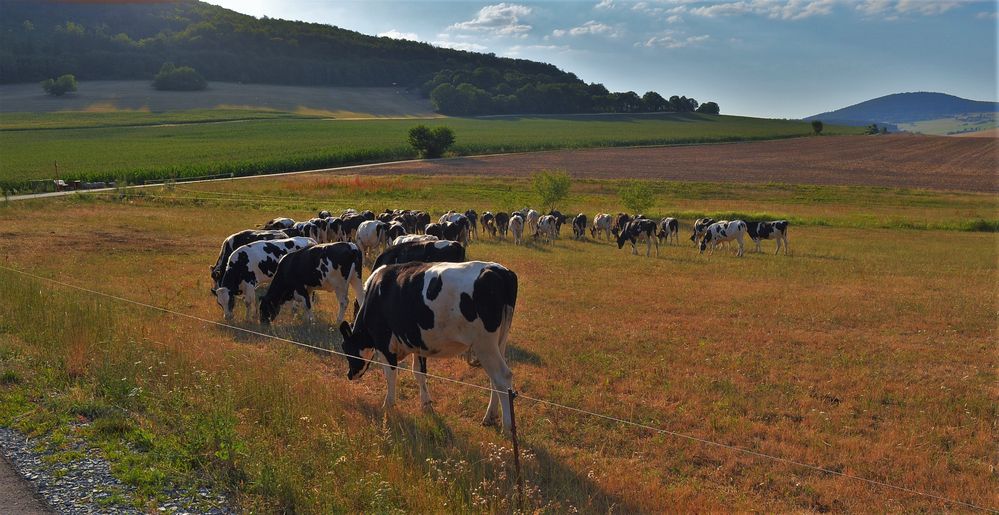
pixel 422 251
pixel 467 307
pixel 494 291
pixel 434 288
pixel 237 240
pixel 304 270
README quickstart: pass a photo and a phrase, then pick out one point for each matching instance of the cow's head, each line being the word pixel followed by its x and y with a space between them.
pixel 705 240
pixel 268 311
pixel 622 236
pixel 358 350
pixel 226 301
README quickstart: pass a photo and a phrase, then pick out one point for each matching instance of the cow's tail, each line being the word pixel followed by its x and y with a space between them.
pixel 355 280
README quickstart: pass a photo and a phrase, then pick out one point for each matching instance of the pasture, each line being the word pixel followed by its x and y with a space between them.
pixel 870 351
pixel 143 146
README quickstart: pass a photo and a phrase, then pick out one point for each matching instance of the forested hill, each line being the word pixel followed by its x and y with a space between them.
pixel 113 41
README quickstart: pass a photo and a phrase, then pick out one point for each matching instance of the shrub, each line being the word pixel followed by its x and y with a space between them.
pixel 551 186
pixel 429 142
pixel 817 127
pixel 184 78
pixel 636 196
pixel 61 86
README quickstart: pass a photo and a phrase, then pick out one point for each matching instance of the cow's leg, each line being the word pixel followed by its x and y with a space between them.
pixel 250 299
pixel 390 379
pixel 306 296
pixel 501 379
pixel 741 251
pixel 420 372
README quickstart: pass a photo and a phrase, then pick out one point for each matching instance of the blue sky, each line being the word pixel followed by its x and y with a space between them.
pixel 771 58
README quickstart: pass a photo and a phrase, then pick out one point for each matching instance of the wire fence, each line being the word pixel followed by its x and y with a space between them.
pixel 537 400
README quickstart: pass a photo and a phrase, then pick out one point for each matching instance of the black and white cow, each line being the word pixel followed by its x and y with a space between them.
pixel 621 220
pixel 422 251
pixel 516 226
pixel 668 227
pixel 531 218
pixel 331 267
pixel 723 231
pixel 489 223
pixel 634 231
pixel 546 231
pixel 700 225
pixel 436 310
pixel 502 223
pixel 324 214
pixel 473 223
pixel 602 223
pixel 560 220
pixel 372 236
pixel 395 229
pixel 775 230
pixel 422 220
pixel 250 267
pixel 579 226
pixel 278 224
pixel 234 241
pixel 414 237
pixel 349 225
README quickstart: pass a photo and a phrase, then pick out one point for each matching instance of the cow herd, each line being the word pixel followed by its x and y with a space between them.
pixel 422 297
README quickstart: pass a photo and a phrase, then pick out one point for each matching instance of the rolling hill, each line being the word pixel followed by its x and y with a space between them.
pixel 903 108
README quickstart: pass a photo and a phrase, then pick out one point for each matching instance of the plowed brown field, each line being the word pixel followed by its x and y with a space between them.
pixel 934 162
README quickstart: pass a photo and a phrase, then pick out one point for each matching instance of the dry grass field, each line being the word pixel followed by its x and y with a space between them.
pixel 869 351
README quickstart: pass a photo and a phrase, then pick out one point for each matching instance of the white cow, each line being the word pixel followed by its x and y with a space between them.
pixel 602 223
pixel 517 227
pixel 547 229
pixel 719 232
pixel 531 218
pixel 372 236
pixel 250 267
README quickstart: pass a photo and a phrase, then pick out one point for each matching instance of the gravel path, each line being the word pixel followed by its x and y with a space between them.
pixel 83 486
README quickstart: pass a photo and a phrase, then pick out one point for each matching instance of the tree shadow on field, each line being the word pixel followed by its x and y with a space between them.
pixel 484 469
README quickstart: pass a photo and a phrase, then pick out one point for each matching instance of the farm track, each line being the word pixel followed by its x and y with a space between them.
pixel 902 161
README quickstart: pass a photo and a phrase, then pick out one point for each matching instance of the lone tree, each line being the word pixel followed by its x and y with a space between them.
pixel 552 186
pixel 817 127
pixel 61 86
pixel 637 196
pixel 429 142
pixel 709 108
pixel 183 78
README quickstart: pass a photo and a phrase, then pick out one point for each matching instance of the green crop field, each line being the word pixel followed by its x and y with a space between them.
pixel 869 351
pixel 275 143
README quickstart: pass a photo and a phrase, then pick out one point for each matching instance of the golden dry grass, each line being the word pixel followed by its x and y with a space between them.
pixel 868 351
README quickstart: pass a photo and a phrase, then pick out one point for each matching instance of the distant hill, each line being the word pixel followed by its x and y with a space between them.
pixel 905 108
pixel 115 40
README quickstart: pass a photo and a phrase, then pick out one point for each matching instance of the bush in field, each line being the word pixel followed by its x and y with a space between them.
pixel 552 186
pixel 637 196
pixel 429 142
pixel 817 127
pixel 61 86
pixel 183 78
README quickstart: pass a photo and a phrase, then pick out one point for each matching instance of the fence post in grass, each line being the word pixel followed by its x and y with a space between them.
pixel 516 450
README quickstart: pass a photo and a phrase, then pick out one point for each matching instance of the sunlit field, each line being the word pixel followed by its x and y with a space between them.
pixel 869 351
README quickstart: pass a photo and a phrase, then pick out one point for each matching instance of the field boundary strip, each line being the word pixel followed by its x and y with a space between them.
pixel 536 400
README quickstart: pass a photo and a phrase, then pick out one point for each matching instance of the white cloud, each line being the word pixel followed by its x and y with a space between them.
pixel 668 41
pixel 776 9
pixel 984 15
pixel 604 4
pixel 589 28
pixel 676 18
pixel 891 9
pixel 395 34
pixel 500 20
pixel 459 45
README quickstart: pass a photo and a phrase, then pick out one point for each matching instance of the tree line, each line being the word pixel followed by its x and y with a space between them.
pixel 129 41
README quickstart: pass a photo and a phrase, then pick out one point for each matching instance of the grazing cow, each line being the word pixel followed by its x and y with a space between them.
pixel 386 216
pixel 367 215
pixel 395 230
pixel 668 227
pixel 334 229
pixel 489 223
pixel 234 241
pixel 422 251
pixel 517 227
pixel 775 230
pixel 414 237
pixel 473 223
pixel 435 230
pixel 560 220
pixel 700 225
pixel 324 214
pixel 502 223
pixel 719 232
pixel 249 267
pixel 621 220
pixel 579 226
pixel 546 229
pixel 349 225
pixel 602 223
pixel 436 310
pixel 303 229
pixel 531 218
pixel 457 231
pixel 371 235
pixel 641 229
pixel 277 224
pixel 329 267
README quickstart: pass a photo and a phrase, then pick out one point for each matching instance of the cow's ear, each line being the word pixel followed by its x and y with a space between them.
pixel 345 330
